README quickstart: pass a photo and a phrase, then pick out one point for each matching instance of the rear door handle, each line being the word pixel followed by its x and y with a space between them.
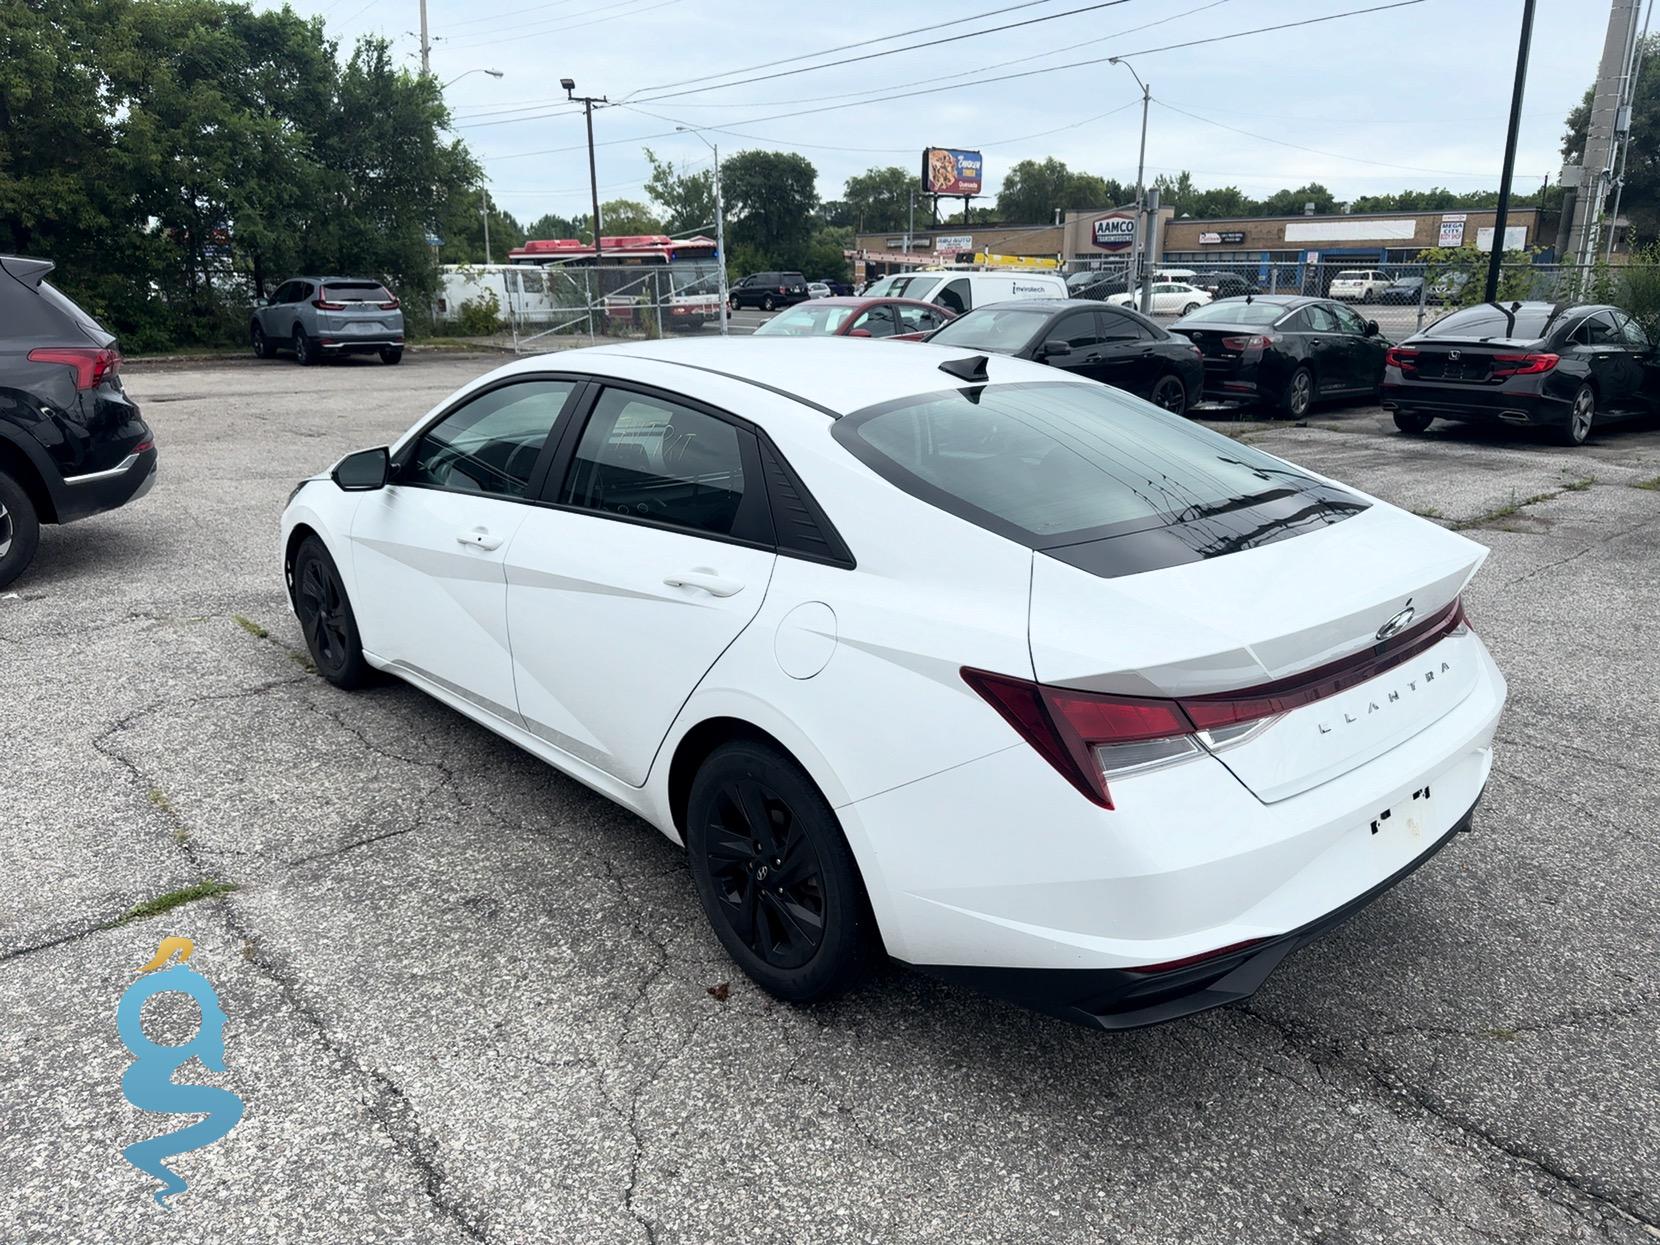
pixel 479 538
pixel 706 579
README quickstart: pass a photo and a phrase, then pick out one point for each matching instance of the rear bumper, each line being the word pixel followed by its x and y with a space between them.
pixel 96 492
pixel 355 345
pixel 1120 999
pixel 1510 403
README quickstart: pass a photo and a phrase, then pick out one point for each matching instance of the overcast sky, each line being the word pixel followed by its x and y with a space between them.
pixel 1414 96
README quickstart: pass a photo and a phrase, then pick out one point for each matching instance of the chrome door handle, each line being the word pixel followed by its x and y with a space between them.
pixel 479 538
pixel 710 582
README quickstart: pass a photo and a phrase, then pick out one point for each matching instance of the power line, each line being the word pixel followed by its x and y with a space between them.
pixel 939 88
pixel 560 23
pixel 534 8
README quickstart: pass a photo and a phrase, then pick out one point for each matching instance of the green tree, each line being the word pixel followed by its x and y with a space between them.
pixel 687 198
pixel 464 241
pixel 770 198
pixel 826 258
pixel 549 226
pixel 1294 202
pixel 1034 190
pixel 878 200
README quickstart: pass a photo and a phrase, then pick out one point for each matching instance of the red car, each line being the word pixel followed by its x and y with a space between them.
pixel 902 319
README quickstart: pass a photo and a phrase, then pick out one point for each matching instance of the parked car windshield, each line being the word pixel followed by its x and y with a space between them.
pixel 1237 311
pixel 806 320
pixel 1002 330
pixel 903 287
pixel 1528 322
pixel 1052 464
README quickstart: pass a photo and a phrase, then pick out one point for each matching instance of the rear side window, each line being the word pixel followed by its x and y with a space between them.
pixel 64 305
pixel 1059 465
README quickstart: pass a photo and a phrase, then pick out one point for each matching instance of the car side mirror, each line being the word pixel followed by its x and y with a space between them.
pixel 1371 328
pixel 859 333
pixel 262 302
pixel 1054 348
pixel 364 471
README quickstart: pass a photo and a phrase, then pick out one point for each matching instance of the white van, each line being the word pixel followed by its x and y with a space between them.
pixel 964 291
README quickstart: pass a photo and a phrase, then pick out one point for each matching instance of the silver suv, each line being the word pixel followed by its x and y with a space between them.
pixel 319 316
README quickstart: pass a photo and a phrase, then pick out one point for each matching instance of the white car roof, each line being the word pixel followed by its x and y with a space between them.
pixel 839 375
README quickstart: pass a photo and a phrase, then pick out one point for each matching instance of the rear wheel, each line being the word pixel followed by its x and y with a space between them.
pixel 306 351
pixel 263 349
pixel 1577 430
pixel 1299 393
pixel 775 875
pixel 767 304
pixel 19 530
pixel 1190 309
pixel 326 618
pixel 1169 393
pixel 1413 421
pixel 391 354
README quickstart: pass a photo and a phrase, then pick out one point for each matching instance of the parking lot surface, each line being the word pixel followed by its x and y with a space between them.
pixel 469 1000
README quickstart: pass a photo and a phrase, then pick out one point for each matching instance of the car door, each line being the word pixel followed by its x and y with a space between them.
pixel 1639 360
pixel 1082 337
pixel 1363 355
pixel 652 554
pixel 430 590
pixel 1129 355
pixel 1326 348
pixel 264 315
pixel 1611 363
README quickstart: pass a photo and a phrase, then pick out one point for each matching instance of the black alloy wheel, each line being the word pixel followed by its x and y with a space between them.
pixel 19 530
pixel 1413 421
pixel 1170 393
pixel 774 874
pixel 326 618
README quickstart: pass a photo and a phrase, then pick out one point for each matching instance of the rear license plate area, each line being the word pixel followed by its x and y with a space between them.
pixel 1410 817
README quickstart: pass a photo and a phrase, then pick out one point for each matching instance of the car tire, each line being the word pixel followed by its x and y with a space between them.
pixel 1190 309
pixel 1298 397
pixel 754 817
pixel 1413 422
pixel 391 354
pixel 326 618
pixel 263 349
pixel 1168 393
pixel 306 352
pixel 19 529
pixel 1581 415
pixel 767 304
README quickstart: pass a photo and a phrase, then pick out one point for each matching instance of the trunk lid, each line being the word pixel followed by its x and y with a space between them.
pixel 1236 622
pixel 1462 360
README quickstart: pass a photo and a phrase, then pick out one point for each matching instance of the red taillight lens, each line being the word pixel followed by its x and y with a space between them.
pixel 92 365
pixel 324 305
pixel 1257 341
pixel 391 306
pixel 1403 357
pixel 1523 364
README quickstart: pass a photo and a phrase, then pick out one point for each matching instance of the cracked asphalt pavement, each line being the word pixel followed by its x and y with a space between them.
pixel 471 1001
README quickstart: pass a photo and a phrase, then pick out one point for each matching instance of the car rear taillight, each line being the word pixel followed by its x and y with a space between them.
pixel 1403 357
pixel 1523 364
pixel 1090 737
pixel 93 366
pixel 1256 341
pixel 322 304
pixel 391 306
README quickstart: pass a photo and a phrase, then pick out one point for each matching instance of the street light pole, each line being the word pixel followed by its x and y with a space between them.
pixel 1137 244
pixel 1502 214
pixel 494 73
pixel 588 102
pixel 720 225
pixel 484 211
pixel 426 44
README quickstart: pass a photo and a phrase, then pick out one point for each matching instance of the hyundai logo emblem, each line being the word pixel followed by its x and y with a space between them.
pixel 1397 624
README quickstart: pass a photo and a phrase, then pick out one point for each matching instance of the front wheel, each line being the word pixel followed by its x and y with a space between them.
pixel 1170 393
pixel 326 618
pixel 1577 431
pixel 19 530
pixel 775 875
pixel 1413 422
pixel 1299 393
pixel 263 349
pixel 391 354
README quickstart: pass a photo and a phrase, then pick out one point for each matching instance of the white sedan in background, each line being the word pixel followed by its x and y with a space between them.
pixel 817 289
pixel 1170 298
pixel 1002 673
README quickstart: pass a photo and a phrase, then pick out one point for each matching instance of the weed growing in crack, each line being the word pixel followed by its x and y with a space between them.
pixel 251 627
pixel 207 889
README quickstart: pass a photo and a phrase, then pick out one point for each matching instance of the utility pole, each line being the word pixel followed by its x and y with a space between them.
pixel 1633 77
pixel 720 224
pixel 1501 217
pixel 1609 115
pixel 1138 248
pixel 588 102
pixel 426 44
pixel 484 211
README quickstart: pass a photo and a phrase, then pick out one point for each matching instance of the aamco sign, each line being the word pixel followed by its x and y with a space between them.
pixel 1115 232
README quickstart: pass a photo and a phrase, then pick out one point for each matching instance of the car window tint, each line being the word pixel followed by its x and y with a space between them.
pixel 650 458
pixel 956 296
pixel 356 292
pixel 918 319
pixel 1632 332
pixel 490 445
pixel 877 321
pixel 1320 319
pixel 1115 327
pixel 64 305
pixel 1602 331
pixel 1529 322
pixel 1348 320
pixel 1077 329
pixel 1001 329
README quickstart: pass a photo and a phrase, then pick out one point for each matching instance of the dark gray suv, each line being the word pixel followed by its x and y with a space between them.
pixel 320 316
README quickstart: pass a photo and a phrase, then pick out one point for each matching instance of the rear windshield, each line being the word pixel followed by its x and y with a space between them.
pixel 1352 274
pixel 1002 330
pixel 1526 323
pixel 1060 466
pixel 61 302
pixel 1237 311
pixel 806 320
pixel 903 287
pixel 356 292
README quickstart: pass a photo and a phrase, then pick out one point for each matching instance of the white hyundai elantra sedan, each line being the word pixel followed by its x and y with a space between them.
pixel 1010 676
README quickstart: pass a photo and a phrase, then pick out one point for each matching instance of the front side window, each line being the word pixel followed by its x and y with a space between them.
pixel 1632 332
pixel 956 297
pixel 876 321
pixel 490 444
pixel 1055 465
pixel 1077 330
pixel 1320 319
pixel 1349 321
pixel 649 458
pixel 919 319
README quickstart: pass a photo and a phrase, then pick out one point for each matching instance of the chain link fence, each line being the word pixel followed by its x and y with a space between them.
pixel 530 308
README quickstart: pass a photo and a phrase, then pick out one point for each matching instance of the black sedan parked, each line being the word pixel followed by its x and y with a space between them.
pixel 1121 347
pixel 1555 365
pixel 71 441
pixel 1285 350
pixel 1403 290
pixel 1224 284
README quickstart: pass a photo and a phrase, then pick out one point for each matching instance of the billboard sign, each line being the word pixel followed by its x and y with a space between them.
pixel 954 242
pixel 1114 232
pixel 1452 229
pixel 948 171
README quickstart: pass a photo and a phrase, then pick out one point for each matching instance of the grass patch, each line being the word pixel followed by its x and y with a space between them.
pixel 251 627
pixel 1652 486
pixel 1428 512
pixel 1579 486
pixel 1502 1035
pixel 176 899
pixel 302 660
pixel 158 797
pixel 1516 504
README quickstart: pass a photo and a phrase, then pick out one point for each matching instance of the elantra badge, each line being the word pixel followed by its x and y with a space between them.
pixel 1397 624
